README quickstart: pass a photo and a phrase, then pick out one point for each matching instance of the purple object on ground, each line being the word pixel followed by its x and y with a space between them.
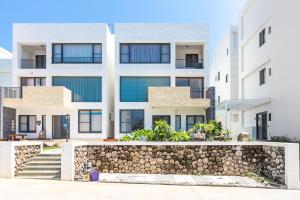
pixel 95 175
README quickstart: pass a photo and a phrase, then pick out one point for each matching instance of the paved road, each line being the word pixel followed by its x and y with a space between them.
pixel 12 189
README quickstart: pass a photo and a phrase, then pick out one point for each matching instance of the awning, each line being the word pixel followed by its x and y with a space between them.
pixel 241 104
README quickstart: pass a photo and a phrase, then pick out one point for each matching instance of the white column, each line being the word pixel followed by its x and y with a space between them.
pixel 292 166
pixel 7 160
pixel 67 162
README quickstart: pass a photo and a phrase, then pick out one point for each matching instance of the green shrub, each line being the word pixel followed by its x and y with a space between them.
pixel 180 136
pixel 162 131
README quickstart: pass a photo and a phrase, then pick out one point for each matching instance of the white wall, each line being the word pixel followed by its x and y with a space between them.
pixel 46 34
pixel 5 68
pixel 279 54
pixel 175 34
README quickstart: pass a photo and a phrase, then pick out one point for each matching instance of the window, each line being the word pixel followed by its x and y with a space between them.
pixel 219 99
pixel 270 71
pixel 84 89
pixel 90 121
pixel 144 53
pixel 131 120
pixel 27 123
pixel 226 78
pixel 177 122
pixel 33 81
pixel 135 89
pixel 165 118
pixel 270 29
pixel 77 53
pixel 196 85
pixel 193 119
pixel 227 51
pixel 44 122
pixel 262 76
pixel 262 37
pixel 270 117
pixel 219 76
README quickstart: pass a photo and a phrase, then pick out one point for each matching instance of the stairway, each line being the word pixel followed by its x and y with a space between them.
pixel 44 166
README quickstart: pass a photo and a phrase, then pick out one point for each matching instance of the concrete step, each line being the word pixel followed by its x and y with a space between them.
pixel 34 173
pixel 46 158
pixel 49 155
pixel 42 167
pixel 39 177
pixel 44 163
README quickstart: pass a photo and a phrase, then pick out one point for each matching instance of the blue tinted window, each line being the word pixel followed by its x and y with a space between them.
pixel 135 89
pixel 84 89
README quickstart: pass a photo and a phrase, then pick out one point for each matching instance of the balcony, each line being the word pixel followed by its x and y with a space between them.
pixel 38 96
pixel 189 56
pixel 177 97
pixel 189 64
pixel 33 64
pixel 33 56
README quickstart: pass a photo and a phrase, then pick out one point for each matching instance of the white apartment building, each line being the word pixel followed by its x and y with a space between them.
pixel 5 68
pixel 161 72
pixel 269 43
pixel 62 79
pixel 225 78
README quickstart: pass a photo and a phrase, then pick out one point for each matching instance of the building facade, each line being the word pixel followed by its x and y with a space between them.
pixel 161 72
pixel 5 68
pixel 268 68
pixel 62 79
pixel 226 78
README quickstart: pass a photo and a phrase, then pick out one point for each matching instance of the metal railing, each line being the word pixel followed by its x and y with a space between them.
pixel 11 92
pixel 77 60
pixel 189 64
pixel 33 64
pixel 198 93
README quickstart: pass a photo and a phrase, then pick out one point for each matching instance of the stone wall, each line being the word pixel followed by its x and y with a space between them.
pixel 23 154
pixel 228 160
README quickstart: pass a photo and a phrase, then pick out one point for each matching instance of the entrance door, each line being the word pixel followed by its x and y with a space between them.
pixel 40 61
pixel 262 126
pixel 191 60
pixel 60 126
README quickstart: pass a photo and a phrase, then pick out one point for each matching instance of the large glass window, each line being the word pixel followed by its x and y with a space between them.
pixel 196 85
pixel 90 121
pixel 178 122
pixel 84 89
pixel 33 81
pixel 165 118
pixel 135 89
pixel 27 123
pixel 77 53
pixel 193 119
pixel 144 53
pixel 131 120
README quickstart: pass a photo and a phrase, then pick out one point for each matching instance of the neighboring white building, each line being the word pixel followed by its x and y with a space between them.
pixel 269 43
pixel 161 73
pixel 5 68
pixel 76 56
pixel 226 79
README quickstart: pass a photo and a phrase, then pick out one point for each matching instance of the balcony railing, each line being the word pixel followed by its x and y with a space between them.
pixel 77 60
pixel 33 64
pixel 189 64
pixel 11 92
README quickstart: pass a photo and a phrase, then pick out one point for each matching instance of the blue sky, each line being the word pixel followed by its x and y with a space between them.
pixel 219 14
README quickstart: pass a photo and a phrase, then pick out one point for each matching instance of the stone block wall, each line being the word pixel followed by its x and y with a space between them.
pixel 23 154
pixel 235 160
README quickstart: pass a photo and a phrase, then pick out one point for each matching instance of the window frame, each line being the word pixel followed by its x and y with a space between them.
pixel 194 116
pixel 131 121
pixel 129 62
pixel 262 76
pixel 34 80
pixel 262 37
pixel 62 57
pixel 160 118
pixel 226 78
pixel 27 123
pixel 90 120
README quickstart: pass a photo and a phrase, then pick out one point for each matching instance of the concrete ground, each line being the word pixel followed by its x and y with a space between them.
pixel 26 189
